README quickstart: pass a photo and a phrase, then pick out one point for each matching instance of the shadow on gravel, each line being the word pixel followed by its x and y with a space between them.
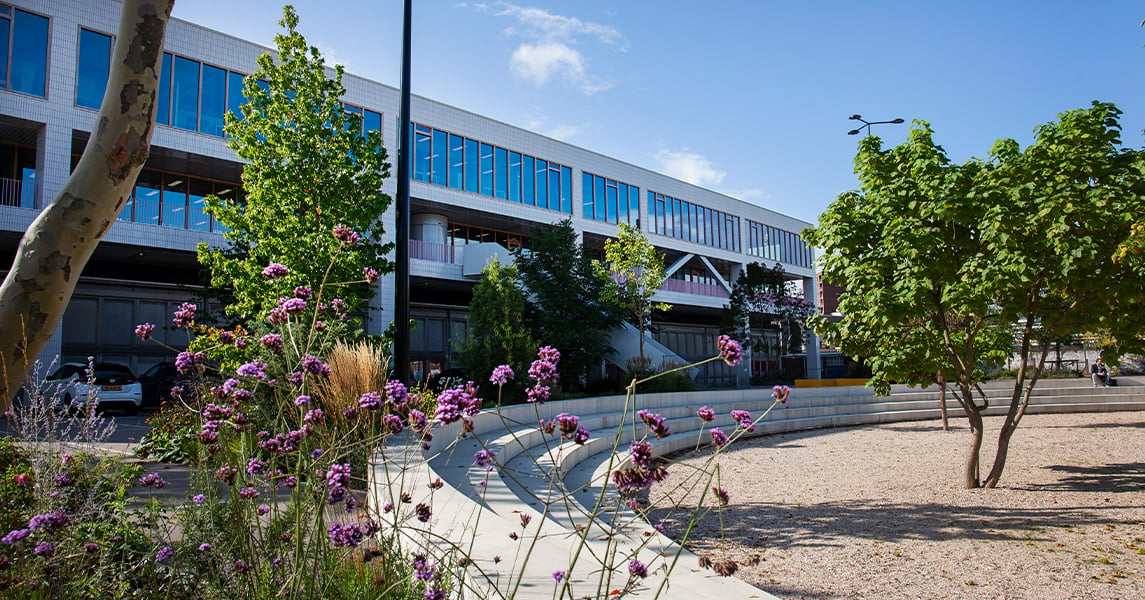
pixel 1128 477
pixel 831 524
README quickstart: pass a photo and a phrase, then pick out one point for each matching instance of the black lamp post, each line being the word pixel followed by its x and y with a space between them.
pixel 401 300
pixel 867 124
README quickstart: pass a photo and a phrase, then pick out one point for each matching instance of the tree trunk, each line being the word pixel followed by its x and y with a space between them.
pixel 942 401
pixel 60 241
pixel 974 416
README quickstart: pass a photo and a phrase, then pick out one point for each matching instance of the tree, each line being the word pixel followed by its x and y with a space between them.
pixel 633 272
pixel 495 316
pixel 950 267
pixel 764 301
pixel 309 170
pixel 563 306
pixel 58 244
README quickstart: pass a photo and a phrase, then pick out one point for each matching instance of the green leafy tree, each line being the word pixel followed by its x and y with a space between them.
pixel 308 171
pixel 633 272
pixel 764 306
pixel 564 307
pixel 496 336
pixel 950 267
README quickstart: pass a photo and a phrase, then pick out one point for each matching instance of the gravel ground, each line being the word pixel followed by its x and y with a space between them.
pixel 879 512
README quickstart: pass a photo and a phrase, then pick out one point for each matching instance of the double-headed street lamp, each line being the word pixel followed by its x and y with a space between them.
pixel 867 124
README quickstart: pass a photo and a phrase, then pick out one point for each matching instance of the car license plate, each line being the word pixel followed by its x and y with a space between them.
pixel 112 388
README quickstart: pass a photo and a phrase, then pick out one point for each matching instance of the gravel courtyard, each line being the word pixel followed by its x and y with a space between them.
pixel 879 512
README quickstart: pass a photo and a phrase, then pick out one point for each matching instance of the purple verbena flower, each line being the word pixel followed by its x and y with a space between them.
pixel 393 424
pixel 637 568
pixel 396 393
pixel 346 235
pixel 292 306
pixel 44 549
pixel 641 452
pixel 538 393
pixel 722 495
pixel 315 365
pixel 164 555
pixel 370 401
pixel 730 350
pixel 483 458
pixel 186 360
pixel 345 536
pixel 706 414
pixel 275 270
pixel 655 422
pixel 272 341
pixel 371 275
pixel 559 576
pixel 184 317
pixel 255 369
pixel 743 419
pixel 143 330
pixel 304 292
pixel 581 435
pixel 501 375
pixel 719 438
pixel 313 415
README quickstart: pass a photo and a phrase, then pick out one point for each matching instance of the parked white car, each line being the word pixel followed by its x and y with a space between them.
pixel 112 386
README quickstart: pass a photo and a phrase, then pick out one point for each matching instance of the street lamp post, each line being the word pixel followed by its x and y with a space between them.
pixel 867 124
pixel 401 274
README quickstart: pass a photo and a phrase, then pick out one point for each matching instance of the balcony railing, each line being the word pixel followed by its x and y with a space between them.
pixel 694 287
pixel 14 192
pixel 442 253
pixel 169 214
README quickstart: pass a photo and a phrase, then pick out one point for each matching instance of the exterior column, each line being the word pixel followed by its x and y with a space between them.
pixel 814 368
pixel 53 167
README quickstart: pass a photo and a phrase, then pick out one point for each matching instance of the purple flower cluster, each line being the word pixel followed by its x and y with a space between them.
pixel 371 275
pixel 743 420
pixel 164 555
pixel 152 479
pixel 345 536
pixel 641 452
pixel 338 480
pixel 581 435
pixel 346 235
pixel 396 393
pixel 313 415
pixel 370 401
pixel 272 342
pixel 706 414
pixel 186 360
pixel 143 330
pixel 282 443
pixel 275 270
pixel 255 369
pixel 501 375
pixel 721 495
pixel 630 480
pixel 567 423
pixel 393 424
pixel 655 422
pixel 49 522
pixel 44 549
pixel 314 365
pixel 483 458
pixel 543 371
pixel 538 393
pixel 292 306
pixel 719 438
pixel 730 350
pixel 15 536
pixel 304 292
pixel 637 568
pixel 458 402
pixel 184 317
pixel 780 393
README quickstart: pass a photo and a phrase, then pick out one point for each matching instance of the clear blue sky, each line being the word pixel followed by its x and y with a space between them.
pixel 749 98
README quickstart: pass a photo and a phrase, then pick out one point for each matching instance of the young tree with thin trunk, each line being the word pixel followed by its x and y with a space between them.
pixel 950 267
pixel 633 271
pixel 60 241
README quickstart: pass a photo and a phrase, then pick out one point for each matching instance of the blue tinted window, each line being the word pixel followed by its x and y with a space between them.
pixel 542 183
pixel 5 29
pixel 197 219
pixel 554 187
pixel 515 176
pixel 586 195
pixel 700 234
pixel 472 166
pixel 148 187
pixel 440 157
pixel 174 202
pixel 528 190
pixel 633 204
pixel 487 169
pixel 371 121
pixel 599 210
pixel 500 173
pixel 164 113
pixel 566 190
pixel 610 202
pixel 422 153
pixel 94 66
pixel 29 53
pixel 185 93
pixel 622 203
pixel 235 97
pixel 214 101
pixel 456 162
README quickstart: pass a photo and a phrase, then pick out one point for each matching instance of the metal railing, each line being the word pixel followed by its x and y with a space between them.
pixel 694 287
pixel 14 192
pixel 442 253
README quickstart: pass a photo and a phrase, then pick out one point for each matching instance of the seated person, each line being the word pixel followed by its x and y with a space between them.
pixel 1099 372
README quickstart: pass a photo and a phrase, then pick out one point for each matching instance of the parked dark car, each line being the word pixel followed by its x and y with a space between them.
pixel 158 381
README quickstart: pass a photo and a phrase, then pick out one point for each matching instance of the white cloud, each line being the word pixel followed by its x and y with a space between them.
pixel 690 167
pixel 746 194
pixel 549 54
pixel 540 62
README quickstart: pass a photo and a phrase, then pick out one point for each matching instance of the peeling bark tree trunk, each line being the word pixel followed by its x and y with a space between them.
pixel 63 237
pixel 942 401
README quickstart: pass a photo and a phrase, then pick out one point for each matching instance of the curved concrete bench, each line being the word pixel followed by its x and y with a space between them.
pixel 483 507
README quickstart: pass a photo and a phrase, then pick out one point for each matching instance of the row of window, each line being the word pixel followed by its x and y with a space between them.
pixel 686 221
pixel 23 51
pixel 774 243
pixel 175 200
pixel 447 159
pixel 696 275
pixel 610 201
pixel 193 95
pixel 461 235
